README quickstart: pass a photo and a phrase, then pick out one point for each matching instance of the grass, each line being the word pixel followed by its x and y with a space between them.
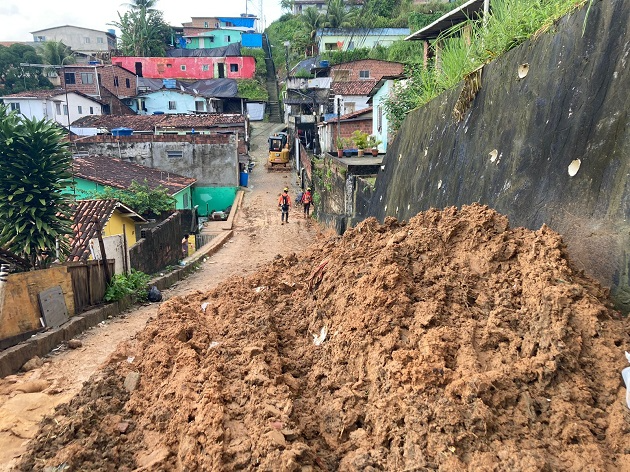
pixel 510 23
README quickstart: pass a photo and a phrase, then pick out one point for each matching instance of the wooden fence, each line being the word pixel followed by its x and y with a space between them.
pixel 88 283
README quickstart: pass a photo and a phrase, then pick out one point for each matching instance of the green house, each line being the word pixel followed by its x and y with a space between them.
pixel 91 174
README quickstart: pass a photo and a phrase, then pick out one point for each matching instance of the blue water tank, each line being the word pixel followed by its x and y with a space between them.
pixel 122 131
pixel 323 63
pixel 158 112
pixel 169 83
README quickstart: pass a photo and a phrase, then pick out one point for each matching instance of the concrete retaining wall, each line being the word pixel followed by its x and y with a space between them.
pixel 514 146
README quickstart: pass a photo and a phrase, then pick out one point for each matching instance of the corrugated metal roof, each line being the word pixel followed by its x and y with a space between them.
pixel 468 10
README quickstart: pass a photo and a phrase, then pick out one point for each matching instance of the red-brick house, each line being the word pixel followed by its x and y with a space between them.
pixel 364 69
pixel 109 83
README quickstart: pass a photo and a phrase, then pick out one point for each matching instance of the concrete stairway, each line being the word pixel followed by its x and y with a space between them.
pixel 275 113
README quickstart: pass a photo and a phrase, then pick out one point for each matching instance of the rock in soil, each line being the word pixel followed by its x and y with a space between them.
pixel 453 342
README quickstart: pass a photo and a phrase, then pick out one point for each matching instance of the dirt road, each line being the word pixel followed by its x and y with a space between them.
pixel 258 238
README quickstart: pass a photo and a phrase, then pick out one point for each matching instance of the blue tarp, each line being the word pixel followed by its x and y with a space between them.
pixel 251 40
pixel 239 21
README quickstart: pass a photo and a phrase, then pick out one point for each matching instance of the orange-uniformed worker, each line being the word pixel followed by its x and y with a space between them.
pixel 284 203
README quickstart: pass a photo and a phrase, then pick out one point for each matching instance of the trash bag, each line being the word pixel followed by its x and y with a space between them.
pixel 154 295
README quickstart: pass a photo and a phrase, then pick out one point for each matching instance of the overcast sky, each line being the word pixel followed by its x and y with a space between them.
pixel 19 17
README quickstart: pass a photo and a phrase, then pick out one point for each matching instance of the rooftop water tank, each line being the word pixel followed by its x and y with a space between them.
pixel 122 131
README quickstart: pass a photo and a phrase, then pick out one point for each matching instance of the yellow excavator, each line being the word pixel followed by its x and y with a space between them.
pixel 278 149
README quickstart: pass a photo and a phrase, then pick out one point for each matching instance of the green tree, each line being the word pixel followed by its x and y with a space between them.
pixel 287 5
pixel 337 16
pixel 140 197
pixel 312 20
pixel 56 53
pixel 34 211
pixel 13 77
pixel 143 30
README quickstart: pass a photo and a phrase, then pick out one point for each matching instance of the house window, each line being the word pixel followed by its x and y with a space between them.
pixel 172 105
pixel 115 81
pixel 211 38
pixel 15 106
pixel 69 78
pixel 205 67
pixel 86 40
pixel 330 46
pixel 182 67
pixel 205 24
pixel 174 154
pixel 40 39
pixel 100 40
pixel 185 200
pixel 350 45
pixel 349 107
pixel 379 118
pixel 98 79
pixel 168 66
pixel 128 83
pixel 80 109
pixel 364 74
pixel 233 67
pixel 91 110
pixel 227 39
pixel 199 105
pixel 87 78
pixel 65 109
pixel 58 108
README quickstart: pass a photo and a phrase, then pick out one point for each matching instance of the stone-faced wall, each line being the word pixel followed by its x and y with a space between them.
pixel 513 149
pixel 159 247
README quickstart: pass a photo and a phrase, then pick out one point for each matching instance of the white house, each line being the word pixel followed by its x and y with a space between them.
pixel 85 41
pixel 55 105
pixel 380 124
pixel 351 96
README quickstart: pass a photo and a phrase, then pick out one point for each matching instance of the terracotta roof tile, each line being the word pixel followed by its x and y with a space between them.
pixel 354 114
pixel 109 122
pixel 150 122
pixel 120 174
pixel 90 217
pixel 201 121
pixel 353 87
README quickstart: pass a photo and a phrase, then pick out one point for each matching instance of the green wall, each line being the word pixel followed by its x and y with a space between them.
pixel 210 199
pixel 84 188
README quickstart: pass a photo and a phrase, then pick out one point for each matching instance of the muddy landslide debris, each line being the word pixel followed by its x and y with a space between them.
pixel 451 342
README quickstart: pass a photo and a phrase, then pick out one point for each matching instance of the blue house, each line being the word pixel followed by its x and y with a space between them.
pixel 170 96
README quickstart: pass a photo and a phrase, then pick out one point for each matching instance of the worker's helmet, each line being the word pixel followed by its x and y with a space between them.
pixel 286 189
pixel 309 189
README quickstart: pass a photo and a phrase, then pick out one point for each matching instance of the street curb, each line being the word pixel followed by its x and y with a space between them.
pixel 235 206
pixel 12 359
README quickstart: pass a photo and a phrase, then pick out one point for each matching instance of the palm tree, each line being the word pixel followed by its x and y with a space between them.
pixel 146 5
pixel 337 16
pixel 55 53
pixel 312 20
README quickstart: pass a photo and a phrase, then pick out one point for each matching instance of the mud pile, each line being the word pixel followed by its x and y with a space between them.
pixel 450 342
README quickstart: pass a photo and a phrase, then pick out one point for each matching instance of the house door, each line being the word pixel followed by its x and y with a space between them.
pixel 139 69
pixel 221 70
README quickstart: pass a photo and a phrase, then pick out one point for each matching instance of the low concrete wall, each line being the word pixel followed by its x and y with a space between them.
pixel 13 358
pixel 20 310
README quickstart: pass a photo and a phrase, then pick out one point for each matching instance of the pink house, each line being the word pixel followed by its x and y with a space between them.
pixel 194 68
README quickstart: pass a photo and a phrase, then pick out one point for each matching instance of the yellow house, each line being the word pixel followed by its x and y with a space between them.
pixel 109 217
